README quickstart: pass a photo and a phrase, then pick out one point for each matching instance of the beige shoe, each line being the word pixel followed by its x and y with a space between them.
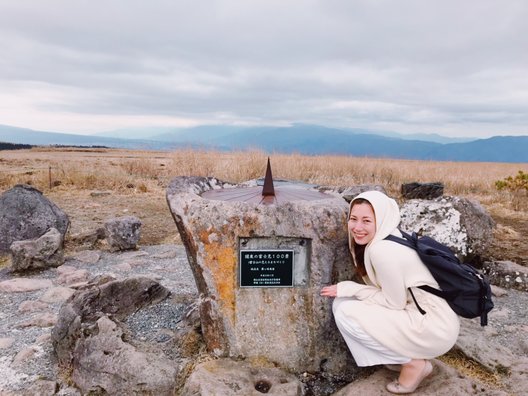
pixel 397 388
pixel 393 367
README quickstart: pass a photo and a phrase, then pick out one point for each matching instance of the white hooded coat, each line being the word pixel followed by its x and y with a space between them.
pixel 383 305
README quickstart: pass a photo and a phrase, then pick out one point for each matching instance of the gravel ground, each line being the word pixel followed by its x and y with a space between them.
pixel 31 345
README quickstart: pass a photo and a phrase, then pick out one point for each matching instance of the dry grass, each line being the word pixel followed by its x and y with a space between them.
pixel 141 177
pixel 115 169
pixel 473 369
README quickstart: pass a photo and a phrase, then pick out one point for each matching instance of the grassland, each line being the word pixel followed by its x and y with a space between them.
pixel 137 180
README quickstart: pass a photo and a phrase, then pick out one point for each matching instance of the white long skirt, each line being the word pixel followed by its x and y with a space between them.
pixel 365 349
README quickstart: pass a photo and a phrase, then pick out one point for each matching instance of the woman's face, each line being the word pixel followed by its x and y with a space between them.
pixel 362 223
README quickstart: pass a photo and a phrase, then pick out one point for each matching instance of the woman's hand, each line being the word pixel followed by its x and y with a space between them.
pixel 329 291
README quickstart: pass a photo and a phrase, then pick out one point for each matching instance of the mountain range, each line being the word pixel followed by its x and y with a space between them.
pixel 298 138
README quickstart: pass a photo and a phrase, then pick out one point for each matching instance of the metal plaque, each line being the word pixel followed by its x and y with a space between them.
pixel 266 268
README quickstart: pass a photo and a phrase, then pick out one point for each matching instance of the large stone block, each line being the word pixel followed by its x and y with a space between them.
pixel 459 223
pixel 25 213
pixel 292 327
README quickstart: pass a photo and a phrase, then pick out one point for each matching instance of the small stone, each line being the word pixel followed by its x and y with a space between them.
pixel 46 319
pixel 24 355
pixel 19 285
pixel 6 342
pixel 56 294
pixel 88 256
pixel 32 306
pixel 73 277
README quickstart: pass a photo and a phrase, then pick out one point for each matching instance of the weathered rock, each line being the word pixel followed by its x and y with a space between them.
pixel 24 285
pixel 88 256
pixel 444 380
pixel 56 294
pixel 350 192
pixel 226 377
pixel 6 342
pixel 43 252
pixel 25 213
pixel 507 274
pixel 32 306
pixel 422 190
pixel 85 307
pixel 459 223
pixel 42 387
pixel 290 326
pixel 73 277
pixel 88 239
pixel 105 363
pixel 123 233
pixel 45 319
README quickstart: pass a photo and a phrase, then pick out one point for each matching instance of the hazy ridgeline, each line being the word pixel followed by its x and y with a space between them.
pixel 142 171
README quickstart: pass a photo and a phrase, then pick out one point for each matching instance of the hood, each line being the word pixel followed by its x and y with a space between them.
pixel 386 211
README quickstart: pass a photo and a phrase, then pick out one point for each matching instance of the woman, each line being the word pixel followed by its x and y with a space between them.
pixel 379 320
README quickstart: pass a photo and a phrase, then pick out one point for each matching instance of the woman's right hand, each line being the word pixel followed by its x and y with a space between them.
pixel 329 291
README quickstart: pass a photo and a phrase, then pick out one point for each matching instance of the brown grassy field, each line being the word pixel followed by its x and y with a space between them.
pixel 137 181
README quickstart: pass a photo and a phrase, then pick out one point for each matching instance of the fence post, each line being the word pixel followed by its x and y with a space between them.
pixel 49 172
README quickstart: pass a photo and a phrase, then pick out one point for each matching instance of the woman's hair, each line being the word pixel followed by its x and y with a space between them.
pixel 359 250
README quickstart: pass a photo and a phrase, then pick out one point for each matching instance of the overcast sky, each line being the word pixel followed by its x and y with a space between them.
pixel 458 68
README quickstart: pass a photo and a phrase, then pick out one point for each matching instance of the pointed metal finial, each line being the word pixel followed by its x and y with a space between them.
pixel 268 189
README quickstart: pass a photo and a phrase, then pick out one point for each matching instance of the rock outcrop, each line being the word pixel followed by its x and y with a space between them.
pixel 25 213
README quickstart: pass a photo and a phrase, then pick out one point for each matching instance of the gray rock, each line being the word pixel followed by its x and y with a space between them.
pixel 87 239
pixel 350 192
pixel 292 327
pixel 225 377
pixel 34 254
pixel 25 213
pixel 422 190
pixel 123 233
pixel 21 285
pixel 444 380
pixel 105 363
pixel 507 274
pixel 459 223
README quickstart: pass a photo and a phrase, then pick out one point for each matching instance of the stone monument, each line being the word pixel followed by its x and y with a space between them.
pixel 260 256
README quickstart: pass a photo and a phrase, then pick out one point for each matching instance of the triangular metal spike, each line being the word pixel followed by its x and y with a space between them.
pixel 268 189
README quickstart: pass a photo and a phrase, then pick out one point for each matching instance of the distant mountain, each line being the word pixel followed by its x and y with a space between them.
pixel 298 138
pixel 11 134
pixel 146 133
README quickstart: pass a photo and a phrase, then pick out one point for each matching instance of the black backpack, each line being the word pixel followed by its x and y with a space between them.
pixel 466 290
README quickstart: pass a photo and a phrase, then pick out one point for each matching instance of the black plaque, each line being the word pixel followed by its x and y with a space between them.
pixel 266 268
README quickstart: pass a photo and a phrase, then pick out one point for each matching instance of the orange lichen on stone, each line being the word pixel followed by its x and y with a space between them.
pixel 220 259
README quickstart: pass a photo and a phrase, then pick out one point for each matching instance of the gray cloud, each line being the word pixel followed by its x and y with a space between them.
pixel 457 68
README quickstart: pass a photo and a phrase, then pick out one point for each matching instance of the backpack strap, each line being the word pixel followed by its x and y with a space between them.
pixel 420 309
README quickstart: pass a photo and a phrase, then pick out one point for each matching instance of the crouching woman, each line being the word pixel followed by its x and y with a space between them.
pixel 379 320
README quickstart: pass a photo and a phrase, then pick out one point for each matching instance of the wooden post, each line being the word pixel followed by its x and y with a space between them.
pixel 49 173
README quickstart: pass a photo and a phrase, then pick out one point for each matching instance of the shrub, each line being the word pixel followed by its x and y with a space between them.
pixel 518 186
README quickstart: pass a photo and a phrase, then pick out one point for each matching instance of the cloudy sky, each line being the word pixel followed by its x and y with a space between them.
pixel 458 68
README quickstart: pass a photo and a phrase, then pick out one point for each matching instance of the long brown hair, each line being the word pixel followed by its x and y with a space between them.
pixel 358 251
